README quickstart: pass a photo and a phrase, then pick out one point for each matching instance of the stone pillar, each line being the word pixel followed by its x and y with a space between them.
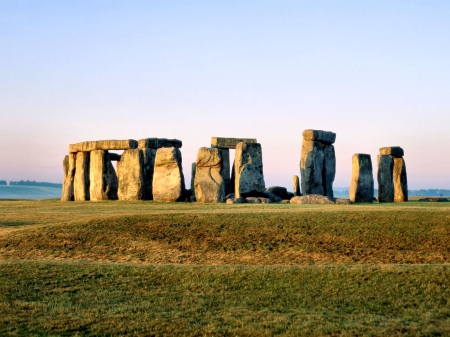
pixel 131 175
pixel 149 168
pixel 209 184
pixel 400 181
pixel 193 171
pixel 225 153
pixel 296 186
pixel 329 170
pixel 81 183
pixel 311 166
pixel 361 184
pixel 385 178
pixel 168 178
pixel 69 164
pixel 249 170
pixel 102 176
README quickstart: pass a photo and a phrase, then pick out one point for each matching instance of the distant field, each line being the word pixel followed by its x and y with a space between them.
pixel 28 192
pixel 148 268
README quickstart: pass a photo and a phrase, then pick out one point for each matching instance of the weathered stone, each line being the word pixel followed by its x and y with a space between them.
pixel 102 176
pixel 103 145
pixel 385 178
pixel 394 151
pixel 81 182
pixel 131 175
pixel 193 171
pixel 311 166
pixel 269 195
pixel 329 170
pixel 209 184
pixel 290 195
pixel 265 200
pixel 168 178
pixel 343 202
pixel 296 186
pixel 226 170
pixel 114 156
pixel 157 143
pixel 230 196
pixel 434 199
pixel 313 199
pixel 235 201
pixel 279 191
pixel 400 180
pixel 229 143
pixel 256 200
pixel 325 137
pixel 69 165
pixel 361 184
pixel 249 170
pixel 149 167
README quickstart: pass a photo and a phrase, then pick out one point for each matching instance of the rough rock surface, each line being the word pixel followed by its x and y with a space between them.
pixel 81 182
pixel 69 164
pixel 329 170
pixel 269 195
pixel 193 171
pixel 394 151
pixel 385 178
pixel 325 137
pixel 400 180
pixel 229 143
pixel 131 175
pixel 102 176
pixel 249 170
pixel 230 196
pixel 313 199
pixel 226 174
pixel 361 184
pixel 257 200
pixel 279 191
pixel 311 165
pixel 103 145
pixel 149 168
pixel 168 178
pixel 157 143
pixel 235 201
pixel 343 202
pixel 434 199
pixel 209 184
pixel 296 186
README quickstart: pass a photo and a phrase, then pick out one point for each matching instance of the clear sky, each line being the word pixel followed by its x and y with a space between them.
pixel 375 72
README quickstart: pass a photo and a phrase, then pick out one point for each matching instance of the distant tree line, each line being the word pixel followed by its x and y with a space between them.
pixel 34 183
pixel 428 193
pixel 3 182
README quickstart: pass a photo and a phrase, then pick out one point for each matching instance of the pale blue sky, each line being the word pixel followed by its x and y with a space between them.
pixel 375 72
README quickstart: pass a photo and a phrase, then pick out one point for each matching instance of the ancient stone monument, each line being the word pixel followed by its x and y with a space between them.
pixel 131 175
pixel 318 162
pixel 361 184
pixel 392 179
pixel 168 178
pixel 296 186
pixel 82 181
pixel 249 170
pixel 69 163
pixel 209 185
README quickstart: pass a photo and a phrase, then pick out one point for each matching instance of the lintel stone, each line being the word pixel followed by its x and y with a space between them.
pixel 326 137
pixel 157 143
pixel 103 145
pixel 394 151
pixel 229 143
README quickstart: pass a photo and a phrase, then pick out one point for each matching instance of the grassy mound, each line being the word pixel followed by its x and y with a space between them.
pixel 309 237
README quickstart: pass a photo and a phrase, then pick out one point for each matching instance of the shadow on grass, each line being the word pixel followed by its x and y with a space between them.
pixel 15 223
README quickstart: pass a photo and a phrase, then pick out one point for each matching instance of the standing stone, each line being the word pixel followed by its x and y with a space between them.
pixel 81 183
pixel 103 179
pixel 400 180
pixel 225 153
pixel 233 179
pixel 193 171
pixel 361 184
pixel 311 165
pixel 329 170
pixel 296 186
pixel 131 175
pixel 209 184
pixel 249 170
pixel 69 163
pixel 149 168
pixel 168 178
pixel 385 178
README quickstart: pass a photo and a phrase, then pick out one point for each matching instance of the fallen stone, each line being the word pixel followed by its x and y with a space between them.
pixel 269 195
pixel 102 176
pixel 230 196
pixel 434 200
pixel 131 175
pixel 235 201
pixel 385 178
pixel 400 180
pixel 252 200
pixel 285 201
pixel 157 143
pixel 209 184
pixel 296 186
pixel 329 170
pixel 343 202
pixel 229 143
pixel 290 195
pixel 361 184
pixel 249 170
pixel 279 191
pixel 325 137
pixel 313 199
pixel 311 166
pixel 168 178
pixel 103 145
pixel 81 182
pixel 394 151
pixel 265 200
pixel 69 165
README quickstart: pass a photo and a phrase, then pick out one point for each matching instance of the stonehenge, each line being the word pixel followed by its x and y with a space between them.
pixel 361 184
pixel 82 181
pixel 296 186
pixel 209 185
pixel 69 163
pixel 391 176
pixel 317 163
pixel 102 177
pixel 131 175
pixel 249 177
pixel 168 178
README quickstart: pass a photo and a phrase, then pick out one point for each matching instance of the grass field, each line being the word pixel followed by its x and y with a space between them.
pixel 145 268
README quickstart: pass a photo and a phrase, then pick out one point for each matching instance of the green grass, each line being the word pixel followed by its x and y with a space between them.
pixel 145 268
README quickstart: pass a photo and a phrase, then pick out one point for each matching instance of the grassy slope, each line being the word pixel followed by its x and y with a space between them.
pixel 29 192
pixel 43 297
